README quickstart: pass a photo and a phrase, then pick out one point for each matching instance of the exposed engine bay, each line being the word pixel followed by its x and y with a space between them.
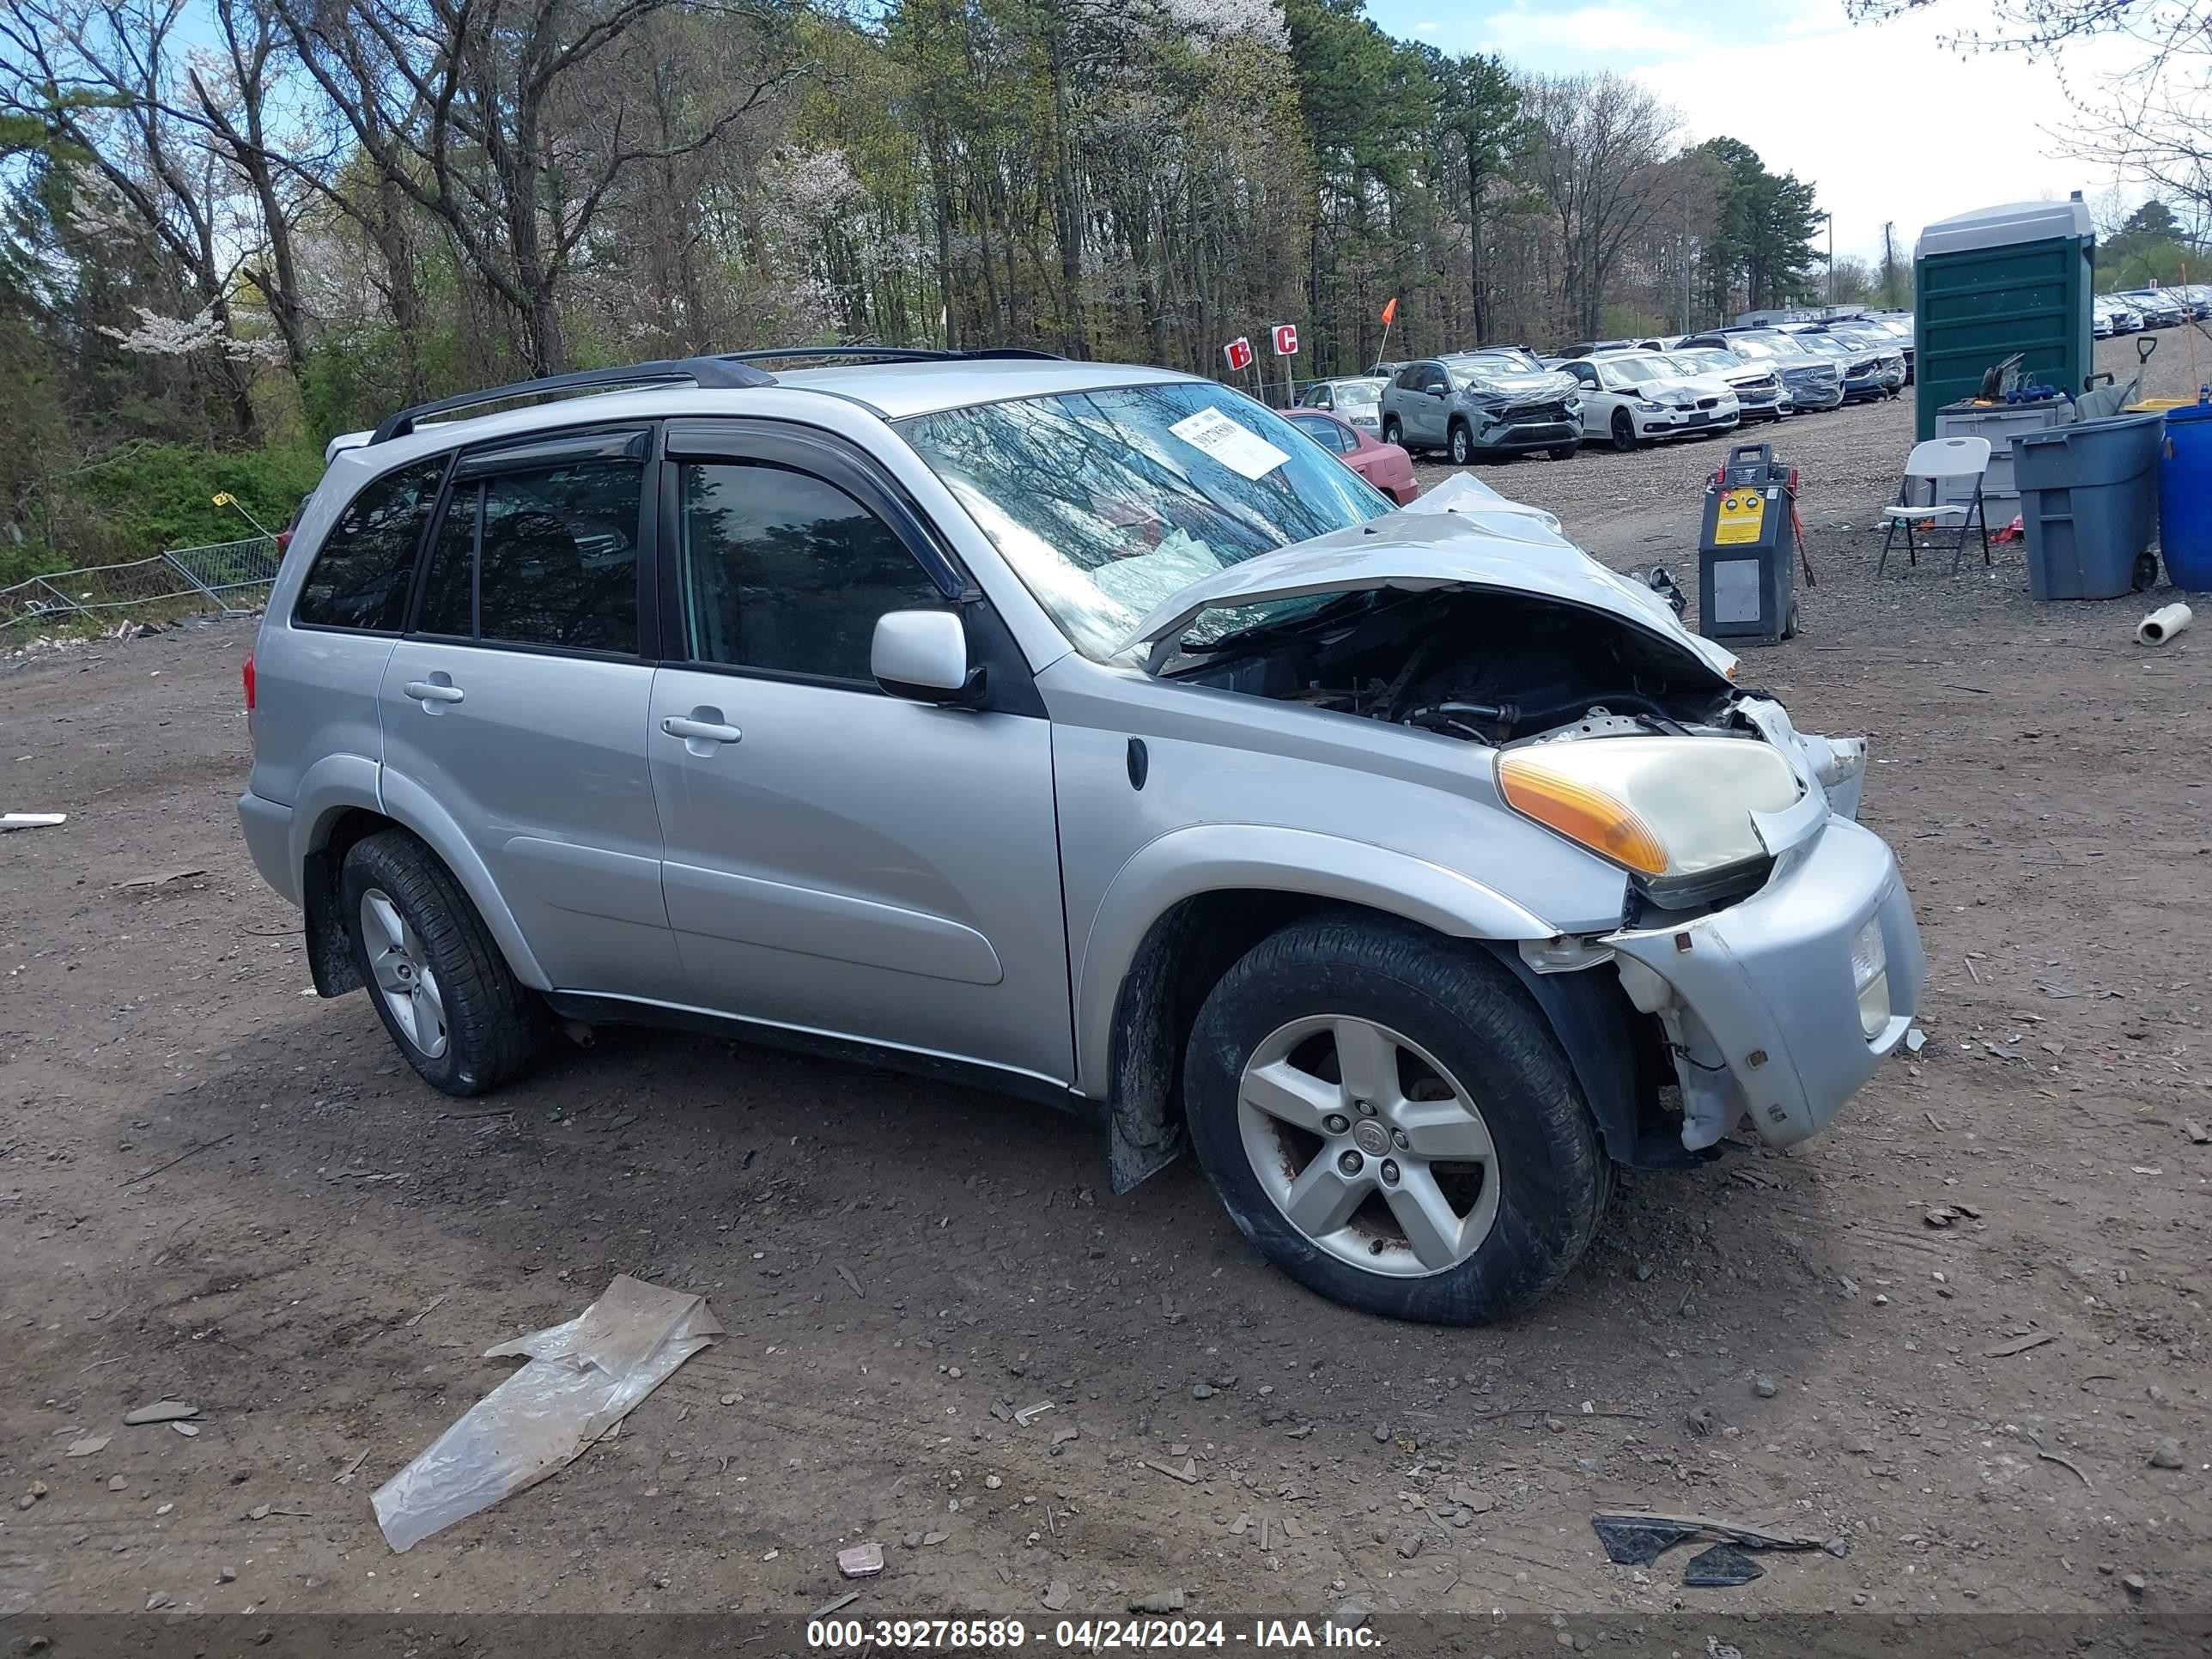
pixel 1489 667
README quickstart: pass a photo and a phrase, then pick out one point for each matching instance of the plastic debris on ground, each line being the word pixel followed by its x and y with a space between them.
pixel 30 820
pixel 861 1561
pixel 1633 1539
pixel 1721 1567
pixel 1630 1542
pixel 582 1379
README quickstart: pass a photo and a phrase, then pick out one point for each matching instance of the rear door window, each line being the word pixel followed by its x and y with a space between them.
pixel 542 555
pixel 366 564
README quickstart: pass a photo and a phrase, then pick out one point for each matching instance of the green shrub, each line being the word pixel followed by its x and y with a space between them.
pixel 156 497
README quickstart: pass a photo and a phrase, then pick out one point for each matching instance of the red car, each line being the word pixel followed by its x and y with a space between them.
pixel 1386 467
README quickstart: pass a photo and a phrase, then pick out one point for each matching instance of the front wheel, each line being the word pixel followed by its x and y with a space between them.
pixel 1462 445
pixel 1624 431
pixel 447 999
pixel 1388 1117
pixel 1565 451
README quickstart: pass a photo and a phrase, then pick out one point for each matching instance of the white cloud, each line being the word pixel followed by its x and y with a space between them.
pixel 1426 26
pixel 1888 123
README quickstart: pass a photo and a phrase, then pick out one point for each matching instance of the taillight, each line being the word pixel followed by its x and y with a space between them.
pixel 245 675
pixel 284 543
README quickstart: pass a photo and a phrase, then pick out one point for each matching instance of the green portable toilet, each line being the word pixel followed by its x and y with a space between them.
pixel 1996 281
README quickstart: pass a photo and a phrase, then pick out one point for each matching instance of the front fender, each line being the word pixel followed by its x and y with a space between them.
pixel 1227 857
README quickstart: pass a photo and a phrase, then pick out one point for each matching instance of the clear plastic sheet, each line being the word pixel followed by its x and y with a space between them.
pixel 582 1379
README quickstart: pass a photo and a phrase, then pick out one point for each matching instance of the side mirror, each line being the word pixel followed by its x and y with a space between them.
pixel 922 655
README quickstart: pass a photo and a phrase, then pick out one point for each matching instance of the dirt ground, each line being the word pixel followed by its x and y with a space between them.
pixel 218 1188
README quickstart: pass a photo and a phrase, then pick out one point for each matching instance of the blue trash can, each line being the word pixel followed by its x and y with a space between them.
pixel 2088 501
pixel 2185 495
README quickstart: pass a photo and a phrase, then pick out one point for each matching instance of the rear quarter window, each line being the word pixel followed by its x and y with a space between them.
pixel 363 568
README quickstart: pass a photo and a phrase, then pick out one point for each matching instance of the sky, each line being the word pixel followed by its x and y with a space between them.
pixel 1885 119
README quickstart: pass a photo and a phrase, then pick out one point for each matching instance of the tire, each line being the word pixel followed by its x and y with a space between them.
pixel 1623 432
pixel 1393 432
pixel 475 1025
pixel 1565 451
pixel 1462 445
pixel 1458 1025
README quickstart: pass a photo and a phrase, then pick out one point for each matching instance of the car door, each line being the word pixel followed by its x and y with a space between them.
pixel 1423 416
pixel 839 860
pixel 514 706
pixel 1597 406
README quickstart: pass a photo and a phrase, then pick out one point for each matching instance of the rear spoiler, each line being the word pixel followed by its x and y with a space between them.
pixel 343 441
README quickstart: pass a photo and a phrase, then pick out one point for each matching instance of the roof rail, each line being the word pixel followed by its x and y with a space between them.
pixel 715 372
pixel 891 354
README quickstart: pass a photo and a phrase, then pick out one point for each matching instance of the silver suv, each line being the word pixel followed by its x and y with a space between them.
pixel 1090 733
pixel 1494 402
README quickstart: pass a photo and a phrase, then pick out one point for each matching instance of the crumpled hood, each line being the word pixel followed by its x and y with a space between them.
pixel 1516 386
pixel 1450 538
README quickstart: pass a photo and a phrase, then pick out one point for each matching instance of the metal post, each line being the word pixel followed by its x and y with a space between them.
pixel 1830 218
pixel 67 603
pixel 178 565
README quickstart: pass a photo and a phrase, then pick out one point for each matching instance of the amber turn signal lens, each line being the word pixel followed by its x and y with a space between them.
pixel 1580 813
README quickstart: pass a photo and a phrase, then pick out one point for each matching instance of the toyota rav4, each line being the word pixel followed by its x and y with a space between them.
pixel 1090 733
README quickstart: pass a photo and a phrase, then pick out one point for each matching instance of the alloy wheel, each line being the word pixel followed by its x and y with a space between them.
pixel 1370 1148
pixel 403 974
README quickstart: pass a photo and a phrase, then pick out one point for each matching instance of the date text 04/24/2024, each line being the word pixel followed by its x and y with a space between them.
pixel 1082 1635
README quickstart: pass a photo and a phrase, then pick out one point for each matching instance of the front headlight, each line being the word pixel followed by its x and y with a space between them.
pixel 1667 808
pixel 1574 404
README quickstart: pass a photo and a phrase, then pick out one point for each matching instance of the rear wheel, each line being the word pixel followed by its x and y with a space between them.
pixel 1462 444
pixel 1389 1118
pixel 447 999
pixel 1392 432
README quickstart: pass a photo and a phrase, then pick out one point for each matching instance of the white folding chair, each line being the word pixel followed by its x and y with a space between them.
pixel 1932 463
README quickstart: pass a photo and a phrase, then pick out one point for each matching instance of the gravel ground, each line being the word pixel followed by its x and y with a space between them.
pixel 215 1187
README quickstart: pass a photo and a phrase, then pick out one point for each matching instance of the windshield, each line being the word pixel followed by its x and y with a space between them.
pixel 1703 362
pixel 1357 393
pixel 1511 358
pixel 1628 371
pixel 1108 503
pixel 1774 348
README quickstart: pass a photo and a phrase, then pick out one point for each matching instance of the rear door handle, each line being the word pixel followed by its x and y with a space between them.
pixel 700 731
pixel 431 691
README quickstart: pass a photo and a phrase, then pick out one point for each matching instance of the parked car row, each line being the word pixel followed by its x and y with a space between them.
pixel 2132 310
pixel 1501 401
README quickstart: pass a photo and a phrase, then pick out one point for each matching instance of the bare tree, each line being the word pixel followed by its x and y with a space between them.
pixel 105 77
pixel 511 121
pixel 1597 148
pixel 2148 121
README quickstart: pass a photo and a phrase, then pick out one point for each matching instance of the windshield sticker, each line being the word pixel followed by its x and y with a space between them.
pixel 1236 446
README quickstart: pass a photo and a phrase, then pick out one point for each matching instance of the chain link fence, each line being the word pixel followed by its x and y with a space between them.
pixel 229 577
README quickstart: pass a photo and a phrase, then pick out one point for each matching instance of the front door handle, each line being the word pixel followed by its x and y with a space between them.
pixel 432 691
pixel 699 731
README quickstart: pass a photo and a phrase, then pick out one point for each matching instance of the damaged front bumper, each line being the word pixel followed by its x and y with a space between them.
pixel 1779 1008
